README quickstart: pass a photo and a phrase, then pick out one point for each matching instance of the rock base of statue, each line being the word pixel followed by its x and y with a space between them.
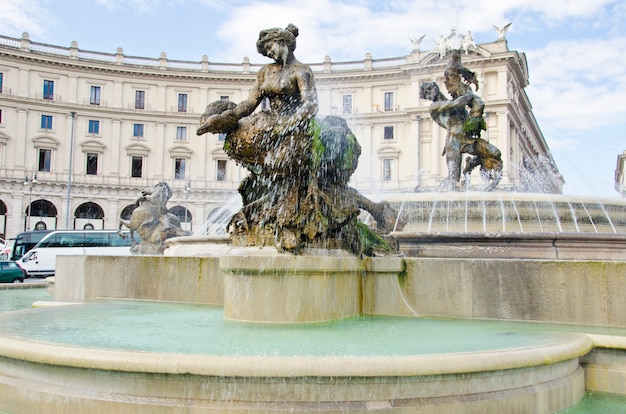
pixel 296 195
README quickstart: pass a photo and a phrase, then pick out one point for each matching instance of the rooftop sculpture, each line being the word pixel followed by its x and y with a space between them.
pixel 296 195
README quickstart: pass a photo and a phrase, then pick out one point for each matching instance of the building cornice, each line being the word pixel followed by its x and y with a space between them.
pixel 161 68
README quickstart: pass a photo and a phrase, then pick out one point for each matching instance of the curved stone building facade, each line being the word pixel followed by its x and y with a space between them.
pixel 122 123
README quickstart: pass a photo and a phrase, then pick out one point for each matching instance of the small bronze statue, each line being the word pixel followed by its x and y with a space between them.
pixel 152 221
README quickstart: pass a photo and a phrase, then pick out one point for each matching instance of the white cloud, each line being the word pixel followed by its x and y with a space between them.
pixel 343 30
pixel 143 6
pixel 580 84
pixel 346 30
pixel 23 16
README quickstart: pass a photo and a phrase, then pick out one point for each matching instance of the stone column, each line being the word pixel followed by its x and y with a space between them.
pixel 111 218
pixel 115 151
pixel 72 90
pixel 437 147
pixel 22 141
pixel 16 220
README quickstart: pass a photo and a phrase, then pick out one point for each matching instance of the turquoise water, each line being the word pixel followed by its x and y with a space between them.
pixel 22 298
pixel 16 299
pixel 197 329
pixel 598 403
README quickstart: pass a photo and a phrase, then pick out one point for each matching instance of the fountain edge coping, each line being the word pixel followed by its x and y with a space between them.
pixel 565 348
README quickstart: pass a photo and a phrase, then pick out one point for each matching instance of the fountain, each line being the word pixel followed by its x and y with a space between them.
pixel 492 306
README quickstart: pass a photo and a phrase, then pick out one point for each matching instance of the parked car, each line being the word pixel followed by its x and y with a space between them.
pixel 5 249
pixel 10 272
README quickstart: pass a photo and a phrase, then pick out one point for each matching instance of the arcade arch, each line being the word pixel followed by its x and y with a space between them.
pixel 184 215
pixel 89 216
pixel 40 215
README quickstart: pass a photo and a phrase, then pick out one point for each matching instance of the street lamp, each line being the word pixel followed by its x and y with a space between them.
pixel 418 118
pixel 29 181
pixel 186 191
pixel 69 173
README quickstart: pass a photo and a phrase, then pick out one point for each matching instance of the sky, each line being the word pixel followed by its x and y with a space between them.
pixel 575 50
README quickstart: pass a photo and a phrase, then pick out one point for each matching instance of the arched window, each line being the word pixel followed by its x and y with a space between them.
pixel 40 211
pixel 42 208
pixel 89 211
pixel 184 215
pixel 127 211
pixel 89 216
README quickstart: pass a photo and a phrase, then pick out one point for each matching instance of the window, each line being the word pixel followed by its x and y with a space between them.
pixel 0 116
pixel 92 164
pixel 45 156
pixel 136 166
pixel 1 79
pixel 387 169
pixel 140 99
pixel 347 104
pixel 181 133
pixel 388 101
pixel 179 168
pixel 225 98
pixel 46 121
pixel 182 102
pixel 388 132
pixel 94 96
pixel 221 137
pixel 221 170
pixel 138 130
pixel 94 127
pixel 48 89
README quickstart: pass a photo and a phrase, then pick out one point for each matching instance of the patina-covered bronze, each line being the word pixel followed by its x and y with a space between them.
pixel 462 117
pixel 296 195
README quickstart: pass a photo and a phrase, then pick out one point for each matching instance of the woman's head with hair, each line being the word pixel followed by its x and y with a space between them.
pixel 285 37
pixel 429 90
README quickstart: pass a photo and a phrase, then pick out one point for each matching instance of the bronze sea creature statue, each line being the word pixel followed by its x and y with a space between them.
pixel 152 221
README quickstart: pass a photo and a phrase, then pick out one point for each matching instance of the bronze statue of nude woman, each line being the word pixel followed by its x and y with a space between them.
pixel 296 194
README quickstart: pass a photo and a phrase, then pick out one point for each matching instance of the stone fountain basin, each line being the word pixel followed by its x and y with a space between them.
pixel 340 365
pixel 53 356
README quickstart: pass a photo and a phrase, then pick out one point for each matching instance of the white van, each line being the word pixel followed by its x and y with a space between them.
pixel 41 259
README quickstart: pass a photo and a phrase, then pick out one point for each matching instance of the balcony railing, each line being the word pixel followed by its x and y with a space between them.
pixel 204 65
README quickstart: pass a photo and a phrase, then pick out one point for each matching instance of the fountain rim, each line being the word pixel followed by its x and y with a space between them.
pixel 561 348
pixel 398 197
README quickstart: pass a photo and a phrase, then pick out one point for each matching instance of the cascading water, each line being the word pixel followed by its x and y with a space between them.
pixel 519 220
pixel 608 217
pixel 470 212
pixel 574 218
pixel 395 225
pixel 504 215
pixel 590 218
pixel 432 215
pixel 557 220
pixel 217 221
pixel 483 215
